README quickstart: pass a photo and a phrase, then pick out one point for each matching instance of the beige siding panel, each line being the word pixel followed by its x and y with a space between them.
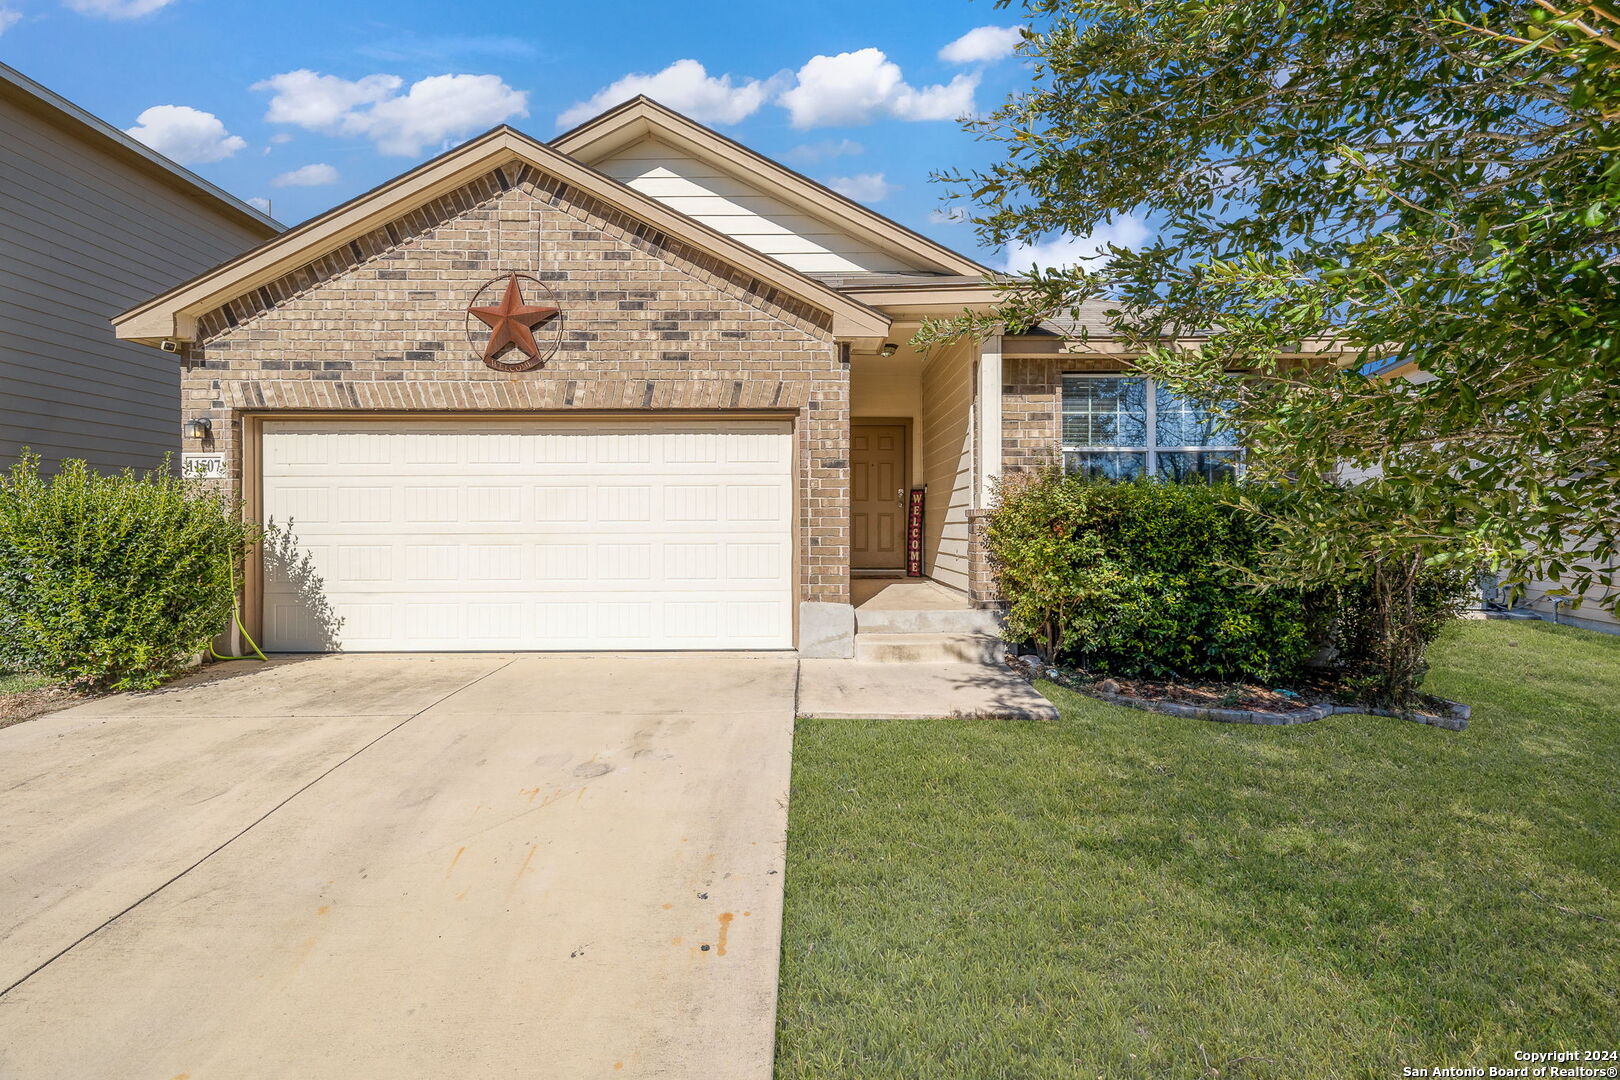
pixel 947 456
pixel 87 235
pixel 728 204
pixel 1591 614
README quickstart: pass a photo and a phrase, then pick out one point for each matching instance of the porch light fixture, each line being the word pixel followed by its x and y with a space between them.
pixel 201 428
pixel 889 348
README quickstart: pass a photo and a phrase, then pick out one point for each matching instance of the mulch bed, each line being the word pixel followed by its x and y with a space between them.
pixel 1320 695
pixel 1211 695
pixel 27 704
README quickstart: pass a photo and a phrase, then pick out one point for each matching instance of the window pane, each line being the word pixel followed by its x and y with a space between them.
pixel 1185 466
pixel 1179 422
pixel 1108 411
pixel 1105 464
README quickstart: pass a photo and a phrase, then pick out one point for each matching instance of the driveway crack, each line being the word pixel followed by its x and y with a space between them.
pixel 334 767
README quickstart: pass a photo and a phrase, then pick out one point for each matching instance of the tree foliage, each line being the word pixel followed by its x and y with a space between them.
pixel 1389 183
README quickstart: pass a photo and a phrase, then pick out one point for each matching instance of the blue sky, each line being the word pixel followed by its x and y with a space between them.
pixel 309 103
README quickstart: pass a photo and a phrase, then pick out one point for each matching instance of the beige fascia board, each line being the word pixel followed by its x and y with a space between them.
pixel 912 302
pixel 1099 347
pixel 642 117
pixel 167 316
pixel 604 135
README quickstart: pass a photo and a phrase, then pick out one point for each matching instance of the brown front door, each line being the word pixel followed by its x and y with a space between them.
pixel 877 478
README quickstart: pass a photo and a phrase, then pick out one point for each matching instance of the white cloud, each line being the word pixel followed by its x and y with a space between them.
pixel 684 86
pixel 118 9
pixel 857 87
pixel 431 111
pixel 322 102
pixel 948 215
pixel 9 17
pixel 439 108
pixel 187 135
pixel 260 203
pixel 810 153
pixel 863 187
pixel 307 176
pixel 982 45
pixel 1126 231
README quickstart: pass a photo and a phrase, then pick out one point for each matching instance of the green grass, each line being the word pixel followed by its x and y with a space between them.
pixel 12 682
pixel 1124 894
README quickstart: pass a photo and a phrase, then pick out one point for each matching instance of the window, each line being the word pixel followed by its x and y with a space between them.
pixel 1120 427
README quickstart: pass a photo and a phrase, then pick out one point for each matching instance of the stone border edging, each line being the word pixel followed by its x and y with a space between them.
pixel 1455 718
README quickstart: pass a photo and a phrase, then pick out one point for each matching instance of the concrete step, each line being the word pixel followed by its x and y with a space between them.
pixel 928 648
pixel 926 621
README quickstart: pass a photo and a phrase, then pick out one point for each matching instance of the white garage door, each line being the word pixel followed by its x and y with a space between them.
pixel 509 535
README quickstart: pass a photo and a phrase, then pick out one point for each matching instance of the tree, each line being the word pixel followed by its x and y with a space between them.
pixel 1422 185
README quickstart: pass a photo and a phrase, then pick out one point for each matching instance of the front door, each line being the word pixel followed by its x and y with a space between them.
pixel 877 473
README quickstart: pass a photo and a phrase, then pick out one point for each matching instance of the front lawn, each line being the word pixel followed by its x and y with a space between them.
pixel 13 682
pixel 1125 894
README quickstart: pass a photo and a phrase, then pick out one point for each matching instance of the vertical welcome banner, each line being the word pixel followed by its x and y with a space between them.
pixel 914 527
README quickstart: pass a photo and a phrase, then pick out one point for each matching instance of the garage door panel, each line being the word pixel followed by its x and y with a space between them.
pixel 656 622
pixel 411 535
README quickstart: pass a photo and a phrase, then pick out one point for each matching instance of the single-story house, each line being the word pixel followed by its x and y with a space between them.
pixel 635 388
pixel 94 221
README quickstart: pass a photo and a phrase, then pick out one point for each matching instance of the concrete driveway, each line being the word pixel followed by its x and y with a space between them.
pixel 388 866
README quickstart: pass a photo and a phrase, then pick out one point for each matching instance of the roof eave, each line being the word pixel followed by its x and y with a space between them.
pixel 641 116
pixel 45 99
pixel 172 315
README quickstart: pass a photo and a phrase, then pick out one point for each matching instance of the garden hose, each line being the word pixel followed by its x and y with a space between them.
pixel 236 616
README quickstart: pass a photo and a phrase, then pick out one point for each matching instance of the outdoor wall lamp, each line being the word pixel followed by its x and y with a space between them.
pixel 889 348
pixel 201 429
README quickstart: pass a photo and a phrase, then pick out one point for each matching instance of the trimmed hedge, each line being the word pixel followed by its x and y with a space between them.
pixel 115 581
pixel 1145 579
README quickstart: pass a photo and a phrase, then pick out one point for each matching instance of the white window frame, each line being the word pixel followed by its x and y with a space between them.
pixel 1150 450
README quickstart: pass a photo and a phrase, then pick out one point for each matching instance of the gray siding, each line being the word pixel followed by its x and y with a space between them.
pixel 87 232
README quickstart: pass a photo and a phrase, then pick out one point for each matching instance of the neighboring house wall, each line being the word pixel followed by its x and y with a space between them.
pixel 705 193
pixel 947 461
pixel 1590 615
pixel 651 324
pixel 90 230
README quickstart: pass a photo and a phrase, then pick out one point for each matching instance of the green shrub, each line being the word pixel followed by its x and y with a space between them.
pixel 1144 579
pixel 1386 620
pixel 115 581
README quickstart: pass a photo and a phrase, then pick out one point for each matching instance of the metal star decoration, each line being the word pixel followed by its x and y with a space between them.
pixel 512 322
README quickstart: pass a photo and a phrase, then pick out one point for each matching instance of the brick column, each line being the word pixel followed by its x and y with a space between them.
pixel 981 579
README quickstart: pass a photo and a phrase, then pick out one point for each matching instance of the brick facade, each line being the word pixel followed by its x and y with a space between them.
pixel 1031 438
pixel 1032 408
pixel 649 323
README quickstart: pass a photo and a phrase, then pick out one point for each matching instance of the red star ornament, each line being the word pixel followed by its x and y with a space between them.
pixel 512 322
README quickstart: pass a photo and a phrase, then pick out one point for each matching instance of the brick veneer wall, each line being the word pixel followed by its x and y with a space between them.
pixel 1031 437
pixel 649 323
pixel 1032 408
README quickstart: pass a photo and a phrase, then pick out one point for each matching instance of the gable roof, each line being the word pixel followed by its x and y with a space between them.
pixel 641 118
pixel 173 315
pixel 64 114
